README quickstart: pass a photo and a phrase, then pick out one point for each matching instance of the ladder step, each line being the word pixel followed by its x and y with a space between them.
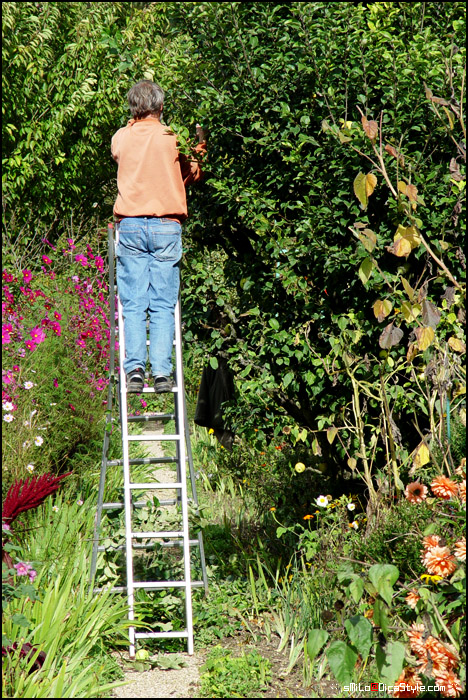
pixel 139 504
pixel 157 485
pixel 161 635
pixel 155 534
pixel 142 460
pixel 148 436
pixel 174 543
pixel 150 390
pixel 150 417
pixel 151 586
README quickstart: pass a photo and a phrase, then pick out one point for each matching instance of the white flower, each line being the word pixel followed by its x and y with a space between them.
pixel 8 418
pixel 7 406
pixel 28 385
pixel 38 441
pixel 55 509
pixel 30 468
pixel 26 445
pixel 26 423
pixel 322 501
pixel 79 502
pixel 351 506
pixel 354 524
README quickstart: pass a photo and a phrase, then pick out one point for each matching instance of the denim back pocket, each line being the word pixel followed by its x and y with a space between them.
pixel 167 242
pixel 130 241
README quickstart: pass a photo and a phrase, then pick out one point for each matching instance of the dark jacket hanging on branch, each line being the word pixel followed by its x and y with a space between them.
pixel 216 387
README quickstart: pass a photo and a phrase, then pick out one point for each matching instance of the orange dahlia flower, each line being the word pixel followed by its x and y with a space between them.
pixel 460 549
pixel 439 561
pixel 451 684
pixel 430 541
pixel 416 492
pixel 412 598
pixel 443 487
pixel 415 635
pixel 462 491
pixel 408 684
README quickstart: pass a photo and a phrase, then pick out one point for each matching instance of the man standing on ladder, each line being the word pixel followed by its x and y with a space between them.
pixel 150 208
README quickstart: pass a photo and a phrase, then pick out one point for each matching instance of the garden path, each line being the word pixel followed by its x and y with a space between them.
pixel 159 683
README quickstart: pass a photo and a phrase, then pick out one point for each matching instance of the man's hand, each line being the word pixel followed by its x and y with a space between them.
pixel 200 133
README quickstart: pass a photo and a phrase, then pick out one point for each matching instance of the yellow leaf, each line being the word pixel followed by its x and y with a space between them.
pixel 456 344
pixel 412 352
pixel 410 311
pixel 401 248
pixel 421 455
pixel 352 463
pixel 359 187
pixel 402 187
pixel 424 337
pixel 331 434
pixel 408 288
pixel 382 309
pixel 371 182
pixel 412 193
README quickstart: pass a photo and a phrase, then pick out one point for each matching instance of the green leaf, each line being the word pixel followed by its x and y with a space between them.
pixel 356 589
pixel 383 576
pixel 360 633
pixel 390 661
pixel 315 641
pixel 380 616
pixel 365 270
pixel 21 620
pixel 274 323
pixel 342 659
pixel 214 362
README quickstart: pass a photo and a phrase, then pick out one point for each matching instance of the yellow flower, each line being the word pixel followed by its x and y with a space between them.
pixel 432 578
pixel 210 431
pixel 300 467
pixel 272 510
pixel 307 517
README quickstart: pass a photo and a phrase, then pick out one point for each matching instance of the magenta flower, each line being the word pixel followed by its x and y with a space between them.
pixel 27 276
pixel 70 243
pixel 38 335
pixel 31 345
pixel 81 259
pixel 55 382
pixel 6 337
pixel 57 315
pixel 22 569
pixel 46 260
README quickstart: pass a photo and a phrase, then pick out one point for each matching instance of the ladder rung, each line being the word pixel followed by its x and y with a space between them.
pixel 150 417
pixel 161 635
pixel 161 535
pixel 149 585
pixel 139 504
pixel 146 437
pixel 174 543
pixel 150 390
pixel 157 485
pixel 142 460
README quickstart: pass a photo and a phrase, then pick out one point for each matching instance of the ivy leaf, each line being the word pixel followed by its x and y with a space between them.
pixel 390 336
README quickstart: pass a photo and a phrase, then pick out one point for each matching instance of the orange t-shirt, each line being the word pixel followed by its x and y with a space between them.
pixel 152 174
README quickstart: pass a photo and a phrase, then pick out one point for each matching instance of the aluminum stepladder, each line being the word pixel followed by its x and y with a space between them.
pixel 181 438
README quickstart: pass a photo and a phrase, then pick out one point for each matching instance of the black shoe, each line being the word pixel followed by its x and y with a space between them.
pixel 163 384
pixel 135 381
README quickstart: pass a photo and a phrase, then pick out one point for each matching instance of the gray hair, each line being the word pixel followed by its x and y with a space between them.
pixel 144 98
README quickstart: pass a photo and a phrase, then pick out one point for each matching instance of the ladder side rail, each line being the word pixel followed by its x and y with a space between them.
pixel 126 472
pixel 188 446
pixel 182 475
pixel 110 388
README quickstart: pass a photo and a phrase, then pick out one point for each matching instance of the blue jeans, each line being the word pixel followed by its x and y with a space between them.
pixel 148 255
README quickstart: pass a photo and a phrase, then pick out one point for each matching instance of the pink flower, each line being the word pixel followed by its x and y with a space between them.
pixel 72 407
pixel 57 315
pixel 27 276
pixel 55 382
pixel 70 243
pixel 38 335
pixel 31 345
pixel 81 259
pixel 46 260
pixel 22 569
pixel 56 328
pixel 6 337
